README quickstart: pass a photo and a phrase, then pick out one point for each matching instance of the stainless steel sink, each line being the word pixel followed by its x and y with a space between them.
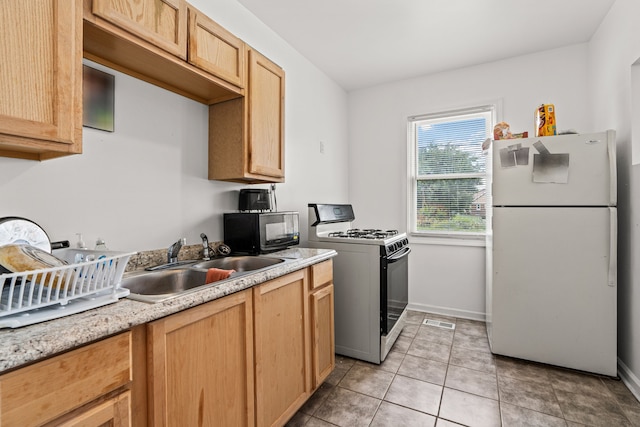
pixel 160 285
pixel 239 263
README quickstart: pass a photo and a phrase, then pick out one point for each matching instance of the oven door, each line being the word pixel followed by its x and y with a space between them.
pixel 394 291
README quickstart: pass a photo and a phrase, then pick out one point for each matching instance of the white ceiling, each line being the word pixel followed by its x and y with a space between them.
pixel 361 43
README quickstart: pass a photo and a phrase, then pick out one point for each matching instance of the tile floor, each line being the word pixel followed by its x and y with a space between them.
pixel 443 378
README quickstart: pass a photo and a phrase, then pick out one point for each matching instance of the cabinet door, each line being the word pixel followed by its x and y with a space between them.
pixel 201 365
pixel 159 22
pixel 281 343
pixel 266 117
pixel 323 344
pixel 115 412
pixel 49 389
pixel 40 78
pixel 215 50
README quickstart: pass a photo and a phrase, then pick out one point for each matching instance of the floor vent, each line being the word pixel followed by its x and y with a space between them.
pixel 439 324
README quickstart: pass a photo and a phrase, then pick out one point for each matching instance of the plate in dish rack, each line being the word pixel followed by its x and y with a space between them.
pixel 18 257
pixel 16 230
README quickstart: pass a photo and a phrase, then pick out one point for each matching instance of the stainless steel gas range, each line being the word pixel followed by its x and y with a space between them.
pixel 370 276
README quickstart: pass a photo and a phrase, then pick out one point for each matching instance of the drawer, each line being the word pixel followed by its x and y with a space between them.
pixel 44 391
pixel 321 274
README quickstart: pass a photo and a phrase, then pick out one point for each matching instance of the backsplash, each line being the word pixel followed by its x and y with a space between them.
pixel 144 259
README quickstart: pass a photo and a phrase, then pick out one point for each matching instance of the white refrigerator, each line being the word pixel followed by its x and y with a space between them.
pixel 551 250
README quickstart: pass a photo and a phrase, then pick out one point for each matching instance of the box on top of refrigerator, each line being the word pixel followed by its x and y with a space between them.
pixel 545 120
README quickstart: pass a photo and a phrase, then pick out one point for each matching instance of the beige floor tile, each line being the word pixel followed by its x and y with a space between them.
pixel 435 334
pixel 317 422
pixel 453 375
pixel 522 370
pixel 479 361
pixel 445 423
pixel 577 382
pixel 298 420
pixel 515 416
pixel 390 364
pixel 344 361
pixel 470 327
pixel 472 342
pixel 393 415
pixel 414 394
pixel 632 413
pixel 598 411
pixel 365 380
pixel 402 344
pixel 347 408
pixel 621 392
pixel 469 409
pixel 533 395
pixel 414 317
pixel 316 399
pixel 337 374
pixel 430 350
pixel 475 382
pixel 423 369
pixel 410 330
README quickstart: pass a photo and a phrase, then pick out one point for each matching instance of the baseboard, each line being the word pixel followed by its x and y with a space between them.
pixel 446 311
pixel 629 379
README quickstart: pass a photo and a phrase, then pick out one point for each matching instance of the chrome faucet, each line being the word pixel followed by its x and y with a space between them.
pixel 205 247
pixel 174 250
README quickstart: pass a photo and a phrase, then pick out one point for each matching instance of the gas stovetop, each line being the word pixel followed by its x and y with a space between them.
pixel 333 223
pixel 365 233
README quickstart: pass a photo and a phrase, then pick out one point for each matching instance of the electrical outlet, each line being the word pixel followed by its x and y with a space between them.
pixel 321 147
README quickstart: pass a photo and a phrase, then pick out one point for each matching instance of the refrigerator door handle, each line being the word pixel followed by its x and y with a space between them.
pixel 613 247
pixel 611 151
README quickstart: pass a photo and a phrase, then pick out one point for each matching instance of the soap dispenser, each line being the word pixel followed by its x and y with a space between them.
pixel 101 245
pixel 80 243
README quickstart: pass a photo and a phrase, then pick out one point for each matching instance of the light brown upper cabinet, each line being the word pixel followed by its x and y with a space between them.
pixel 246 136
pixel 214 49
pixel 161 22
pixel 40 78
pixel 147 39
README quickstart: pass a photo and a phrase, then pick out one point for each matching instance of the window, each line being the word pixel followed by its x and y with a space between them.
pixel 448 172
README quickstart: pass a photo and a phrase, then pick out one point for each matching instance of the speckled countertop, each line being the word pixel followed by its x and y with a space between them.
pixel 27 344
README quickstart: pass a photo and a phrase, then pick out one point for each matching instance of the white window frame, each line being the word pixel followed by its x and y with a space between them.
pixel 442 237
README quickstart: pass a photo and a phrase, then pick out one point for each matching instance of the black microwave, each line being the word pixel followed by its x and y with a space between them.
pixel 255 233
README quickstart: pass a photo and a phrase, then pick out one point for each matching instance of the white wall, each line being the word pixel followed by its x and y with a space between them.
pixel 145 185
pixel 443 278
pixel 612 51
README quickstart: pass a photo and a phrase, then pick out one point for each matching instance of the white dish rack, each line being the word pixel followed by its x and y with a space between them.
pixel 91 279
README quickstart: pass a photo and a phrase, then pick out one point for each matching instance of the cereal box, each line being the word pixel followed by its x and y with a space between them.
pixel 545 120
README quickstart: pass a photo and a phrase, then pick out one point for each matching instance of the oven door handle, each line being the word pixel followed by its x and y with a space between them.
pixel 398 257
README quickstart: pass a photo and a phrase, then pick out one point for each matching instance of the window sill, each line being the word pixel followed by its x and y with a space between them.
pixel 447 240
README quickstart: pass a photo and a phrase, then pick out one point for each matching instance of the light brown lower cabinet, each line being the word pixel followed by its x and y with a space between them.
pixel 282 345
pixel 84 387
pixel 114 412
pixel 250 358
pixel 201 365
pixel 323 335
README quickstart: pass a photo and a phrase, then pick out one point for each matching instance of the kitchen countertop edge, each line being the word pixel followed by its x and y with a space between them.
pixel 21 346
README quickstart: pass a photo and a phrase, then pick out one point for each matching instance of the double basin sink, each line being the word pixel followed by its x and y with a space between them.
pixel 175 280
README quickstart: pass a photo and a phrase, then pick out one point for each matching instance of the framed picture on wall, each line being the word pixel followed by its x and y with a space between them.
pixel 98 99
